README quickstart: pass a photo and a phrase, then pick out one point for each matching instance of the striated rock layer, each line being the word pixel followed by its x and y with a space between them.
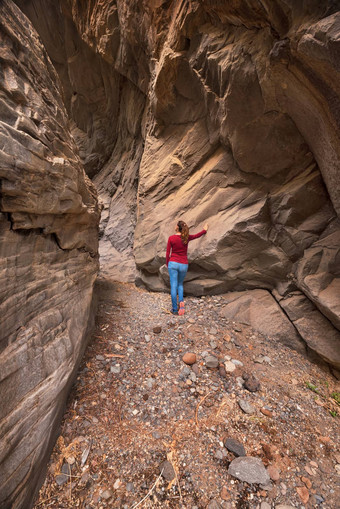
pixel 48 257
pixel 226 112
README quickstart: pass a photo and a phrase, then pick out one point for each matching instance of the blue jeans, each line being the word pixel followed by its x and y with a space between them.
pixel 177 273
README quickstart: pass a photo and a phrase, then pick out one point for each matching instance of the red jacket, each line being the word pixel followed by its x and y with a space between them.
pixel 178 249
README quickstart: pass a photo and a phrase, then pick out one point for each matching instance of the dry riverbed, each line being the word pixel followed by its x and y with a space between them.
pixel 250 424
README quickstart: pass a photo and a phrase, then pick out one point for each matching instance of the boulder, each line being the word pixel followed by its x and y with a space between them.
pixel 260 310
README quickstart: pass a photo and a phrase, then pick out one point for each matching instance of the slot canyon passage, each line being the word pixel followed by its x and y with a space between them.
pixel 117 118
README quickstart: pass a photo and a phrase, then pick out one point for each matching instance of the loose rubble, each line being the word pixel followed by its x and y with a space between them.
pixel 145 427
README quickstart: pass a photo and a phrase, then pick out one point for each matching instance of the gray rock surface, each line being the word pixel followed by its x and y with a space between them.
pixel 249 469
pixel 259 309
pixel 48 258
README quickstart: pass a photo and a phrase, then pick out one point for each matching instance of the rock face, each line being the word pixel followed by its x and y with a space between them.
pixel 48 257
pixel 226 112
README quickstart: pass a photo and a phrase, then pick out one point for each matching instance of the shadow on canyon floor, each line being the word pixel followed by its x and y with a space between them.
pixel 144 429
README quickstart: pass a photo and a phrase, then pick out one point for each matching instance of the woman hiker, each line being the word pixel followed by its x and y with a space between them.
pixel 177 262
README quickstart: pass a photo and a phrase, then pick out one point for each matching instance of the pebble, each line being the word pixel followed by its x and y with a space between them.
pixel 189 358
pixel 229 366
pixel 167 470
pixel 268 450
pixel 246 407
pixel 273 473
pixel 307 482
pixel 106 494
pixel 115 369
pixel 221 454
pixel 250 470
pixel 235 447
pixel 303 494
pixel 265 505
pixel 211 361
pixel 237 362
pixel 266 412
pixel 117 484
pixel 147 338
pixel 130 487
pixel 195 369
pixel 61 479
pixel 251 383
pixel 222 371
pixel 157 329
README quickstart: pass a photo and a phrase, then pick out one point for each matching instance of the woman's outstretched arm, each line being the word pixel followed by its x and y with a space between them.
pixel 198 235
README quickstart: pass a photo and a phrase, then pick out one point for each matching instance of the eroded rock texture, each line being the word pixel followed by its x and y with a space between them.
pixel 48 257
pixel 226 112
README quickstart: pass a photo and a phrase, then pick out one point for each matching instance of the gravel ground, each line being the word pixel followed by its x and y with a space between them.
pixel 144 429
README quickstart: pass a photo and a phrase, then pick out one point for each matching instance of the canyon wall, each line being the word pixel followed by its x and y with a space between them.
pixel 226 112
pixel 49 219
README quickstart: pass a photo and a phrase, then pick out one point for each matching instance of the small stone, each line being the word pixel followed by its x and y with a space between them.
pixel 307 482
pixel 211 362
pixel 319 499
pixel 303 494
pixel 189 358
pixel 251 383
pixel 268 450
pixel 157 329
pixel 115 369
pixel 229 366
pixel 249 469
pixel 117 484
pixel 61 479
pixel 235 447
pixel 265 505
pixel 156 435
pixel 237 362
pixel 147 338
pixel 220 454
pixel 246 407
pixel 195 368
pixel 100 358
pixel 70 460
pixel 222 371
pixel 266 412
pixel 273 473
pixel 224 493
pixel 191 320
pixel 130 487
pixel 167 471
pixel 66 469
pixel 106 494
